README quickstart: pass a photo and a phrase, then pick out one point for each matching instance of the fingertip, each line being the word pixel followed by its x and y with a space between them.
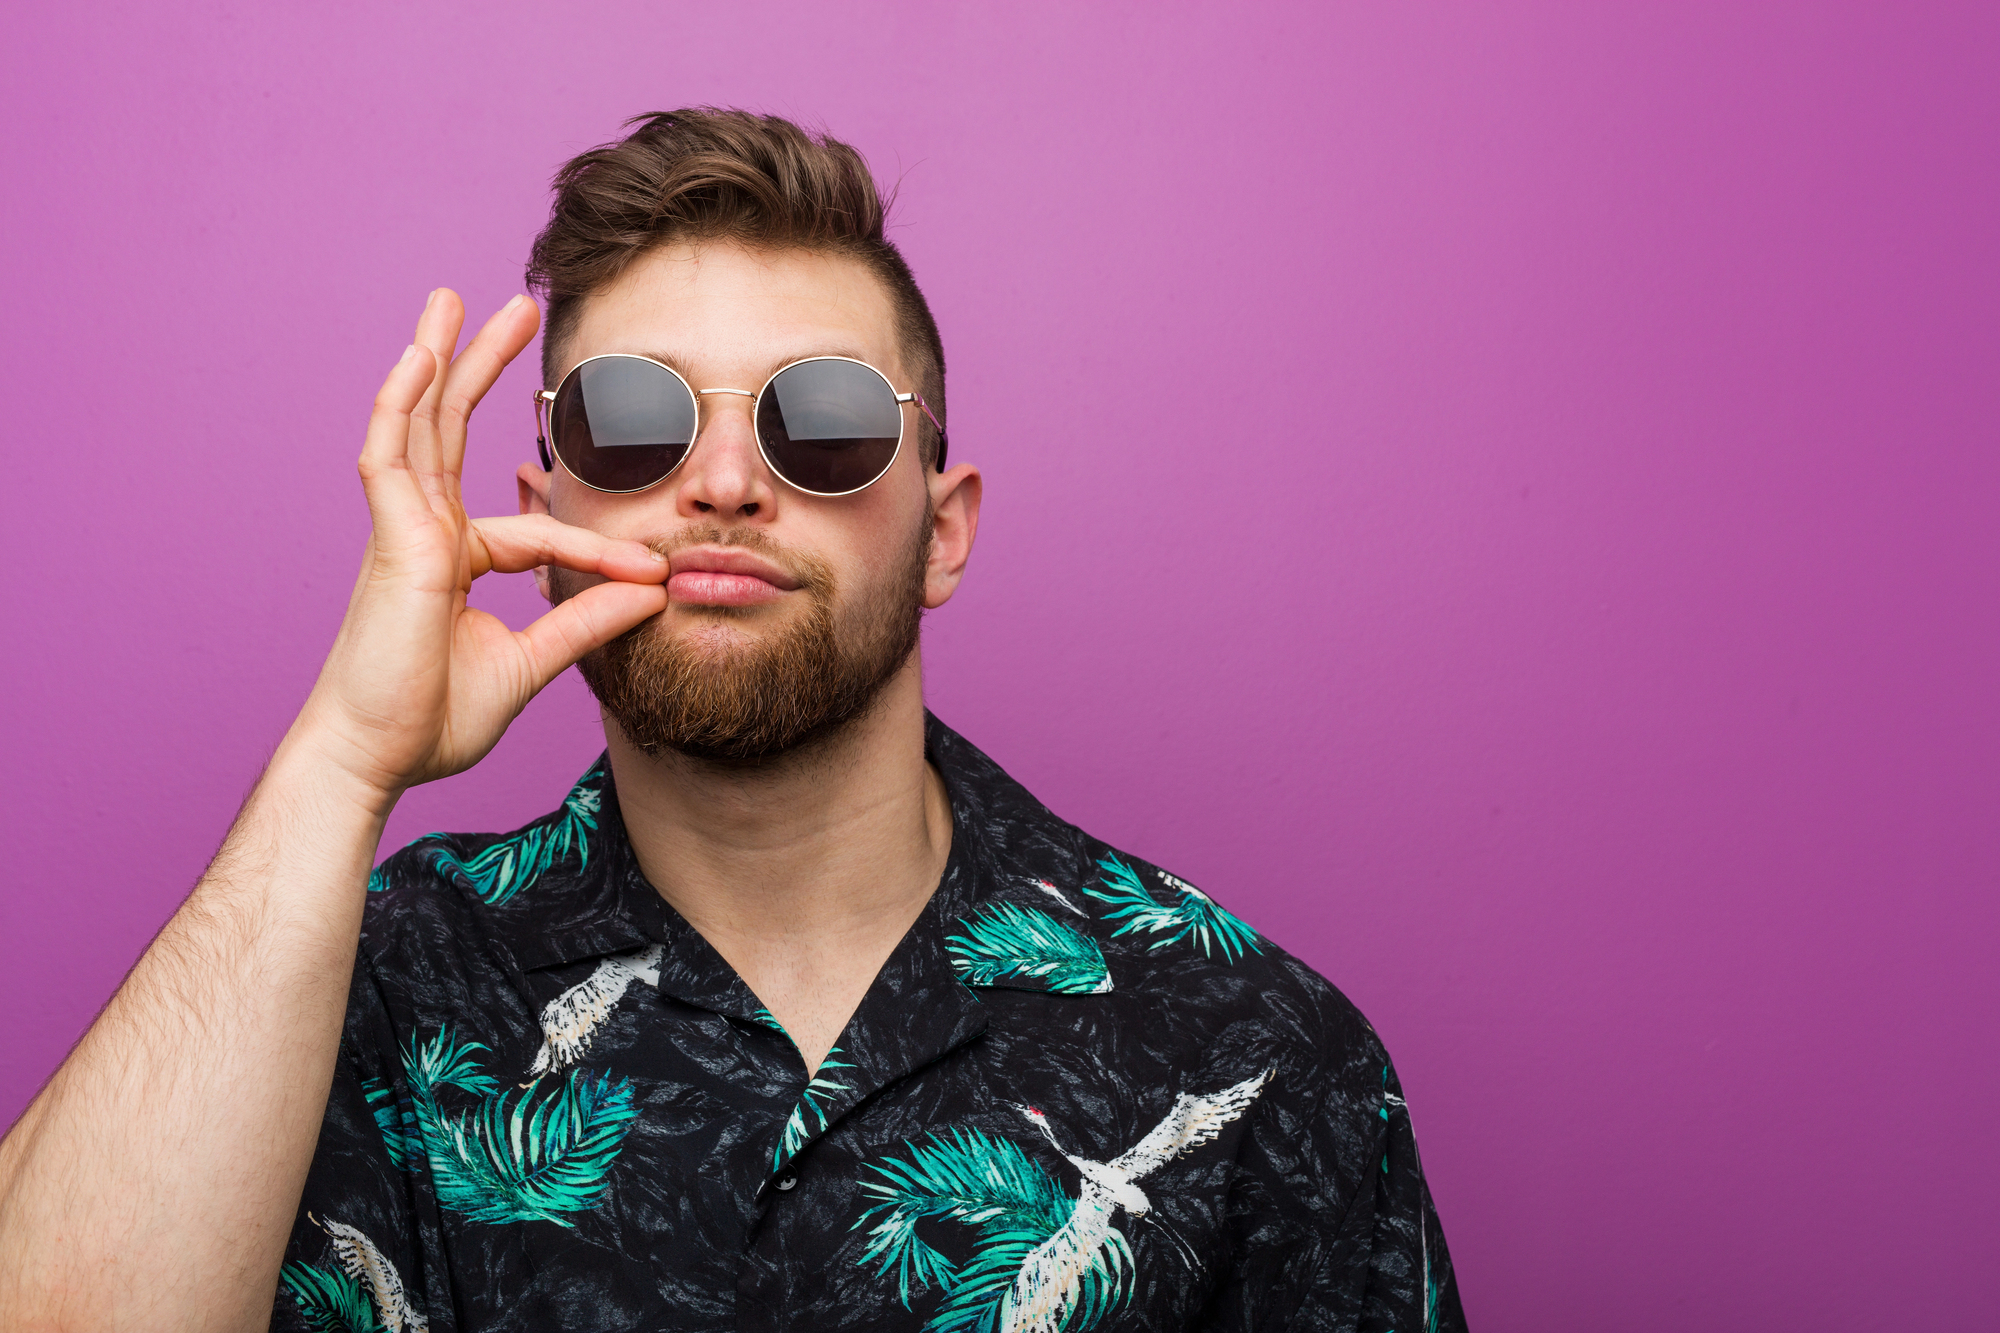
pixel 639 562
pixel 410 373
pixel 521 306
pixel 443 317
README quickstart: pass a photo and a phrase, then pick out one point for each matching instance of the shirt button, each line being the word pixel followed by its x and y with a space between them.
pixel 787 1181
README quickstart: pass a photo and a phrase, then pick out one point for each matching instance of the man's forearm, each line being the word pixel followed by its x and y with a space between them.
pixel 154 1180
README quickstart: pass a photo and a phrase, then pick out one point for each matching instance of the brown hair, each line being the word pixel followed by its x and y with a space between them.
pixel 702 174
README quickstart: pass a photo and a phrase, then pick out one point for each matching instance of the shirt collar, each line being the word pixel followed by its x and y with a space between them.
pixel 1006 912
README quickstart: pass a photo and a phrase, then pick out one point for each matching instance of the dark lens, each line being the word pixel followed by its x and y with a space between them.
pixel 829 426
pixel 621 423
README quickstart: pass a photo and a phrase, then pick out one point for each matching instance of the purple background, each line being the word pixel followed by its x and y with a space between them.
pixel 1503 496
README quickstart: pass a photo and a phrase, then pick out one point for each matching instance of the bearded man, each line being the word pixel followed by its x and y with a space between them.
pixel 797 1012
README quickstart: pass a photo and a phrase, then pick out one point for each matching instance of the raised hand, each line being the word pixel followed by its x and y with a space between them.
pixel 419 685
pixel 153 1181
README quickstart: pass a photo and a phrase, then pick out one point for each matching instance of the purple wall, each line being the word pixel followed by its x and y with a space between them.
pixel 1505 499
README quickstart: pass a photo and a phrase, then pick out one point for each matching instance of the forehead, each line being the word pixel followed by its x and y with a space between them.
pixel 721 313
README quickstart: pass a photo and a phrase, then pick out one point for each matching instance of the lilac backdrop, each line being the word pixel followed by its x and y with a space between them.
pixel 1504 496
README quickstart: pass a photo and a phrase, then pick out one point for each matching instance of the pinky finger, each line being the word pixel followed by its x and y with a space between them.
pixel 591 619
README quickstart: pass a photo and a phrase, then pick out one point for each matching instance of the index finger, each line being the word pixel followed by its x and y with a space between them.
pixel 477 368
pixel 516 544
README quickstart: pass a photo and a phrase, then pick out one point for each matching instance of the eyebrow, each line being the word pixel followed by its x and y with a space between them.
pixel 680 366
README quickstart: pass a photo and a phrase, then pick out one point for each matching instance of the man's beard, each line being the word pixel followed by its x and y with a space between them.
pixel 752 703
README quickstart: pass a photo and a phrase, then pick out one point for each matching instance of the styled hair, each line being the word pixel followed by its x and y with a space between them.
pixel 706 174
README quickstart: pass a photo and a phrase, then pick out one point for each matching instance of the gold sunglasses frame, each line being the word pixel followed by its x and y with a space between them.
pixel 545 424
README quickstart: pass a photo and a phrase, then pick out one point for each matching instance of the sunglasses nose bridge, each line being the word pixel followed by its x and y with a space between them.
pixel 703 419
pixel 725 470
pixel 700 394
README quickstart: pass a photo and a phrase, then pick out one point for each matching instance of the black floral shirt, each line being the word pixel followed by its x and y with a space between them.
pixel 1080 1096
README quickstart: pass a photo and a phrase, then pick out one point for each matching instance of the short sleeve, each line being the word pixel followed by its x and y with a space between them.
pixel 1410 1283
pixel 356 1256
pixel 1333 1228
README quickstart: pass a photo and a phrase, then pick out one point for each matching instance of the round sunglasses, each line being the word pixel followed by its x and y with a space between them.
pixel 827 425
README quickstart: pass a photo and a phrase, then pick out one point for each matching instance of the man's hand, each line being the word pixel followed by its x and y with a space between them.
pixel 153 1182
pixel 419 685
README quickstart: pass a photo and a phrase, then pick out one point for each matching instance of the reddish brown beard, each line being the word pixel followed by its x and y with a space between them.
pixel 754 704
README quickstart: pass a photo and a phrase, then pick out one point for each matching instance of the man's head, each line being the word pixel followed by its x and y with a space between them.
pixel 702 174
pixel 728 246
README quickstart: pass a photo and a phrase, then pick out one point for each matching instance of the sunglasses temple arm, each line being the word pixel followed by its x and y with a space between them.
pixel 542 435
pixel 918 399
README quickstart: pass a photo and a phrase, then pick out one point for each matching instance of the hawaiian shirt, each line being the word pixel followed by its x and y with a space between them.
pixel 1080 1095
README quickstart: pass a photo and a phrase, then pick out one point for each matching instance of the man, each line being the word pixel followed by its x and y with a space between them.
pixel 797 1013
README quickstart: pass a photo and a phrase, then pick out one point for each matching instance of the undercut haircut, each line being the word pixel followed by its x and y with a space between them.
pixel 709 174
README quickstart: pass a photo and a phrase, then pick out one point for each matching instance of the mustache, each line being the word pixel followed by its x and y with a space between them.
pixel 815 576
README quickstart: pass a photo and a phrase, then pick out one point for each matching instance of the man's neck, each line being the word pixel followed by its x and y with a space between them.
pixel 803 873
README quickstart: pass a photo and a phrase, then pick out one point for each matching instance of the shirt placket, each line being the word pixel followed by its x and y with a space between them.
pixel 915 1014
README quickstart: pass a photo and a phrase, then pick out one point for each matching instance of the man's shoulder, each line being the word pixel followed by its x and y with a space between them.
pixel 422 903
pixel 1180 943
pixel 436 889
pixel 1143 929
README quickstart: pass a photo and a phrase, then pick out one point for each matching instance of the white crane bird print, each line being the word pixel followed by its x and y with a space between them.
pixel 365 1292
pixel 569 1020
pixel 1043 1261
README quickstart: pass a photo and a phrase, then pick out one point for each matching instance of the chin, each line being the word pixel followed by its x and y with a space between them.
pixel 711 631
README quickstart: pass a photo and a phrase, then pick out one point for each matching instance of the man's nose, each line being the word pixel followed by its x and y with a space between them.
pixel 725 474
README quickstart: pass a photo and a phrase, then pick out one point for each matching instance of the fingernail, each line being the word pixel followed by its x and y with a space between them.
pixel 408 352
pixel 432 297
pixel 659 557
pixel 511 305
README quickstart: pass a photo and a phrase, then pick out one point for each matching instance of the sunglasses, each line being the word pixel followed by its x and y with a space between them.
pixel 827 425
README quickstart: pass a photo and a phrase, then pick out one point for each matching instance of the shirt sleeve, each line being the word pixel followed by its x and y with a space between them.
pixel 1333 1226
pixel 356 1258
pixel 1410 1283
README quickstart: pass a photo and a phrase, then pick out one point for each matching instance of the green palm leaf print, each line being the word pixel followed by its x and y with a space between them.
pixel 975 1303
pixel 443 1062
pixel 499 872
pixel 329 1300
pixel 517 1158
pixel 398 1125
pixel 813 1102
pixel 1003 940
pixel 1192 914
pixel 964 1176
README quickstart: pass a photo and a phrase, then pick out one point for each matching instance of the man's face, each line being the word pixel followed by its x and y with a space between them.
pixel 787 613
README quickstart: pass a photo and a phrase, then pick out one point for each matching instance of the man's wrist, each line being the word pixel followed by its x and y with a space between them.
pixel 322 768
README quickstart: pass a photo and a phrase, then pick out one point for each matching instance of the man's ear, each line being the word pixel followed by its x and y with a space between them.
pixel 533 485
pixel 955 499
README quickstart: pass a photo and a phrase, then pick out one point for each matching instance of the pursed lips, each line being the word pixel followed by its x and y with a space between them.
pixel 724 576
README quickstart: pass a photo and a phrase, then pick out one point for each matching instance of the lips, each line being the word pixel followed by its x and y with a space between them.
pixel 725 576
